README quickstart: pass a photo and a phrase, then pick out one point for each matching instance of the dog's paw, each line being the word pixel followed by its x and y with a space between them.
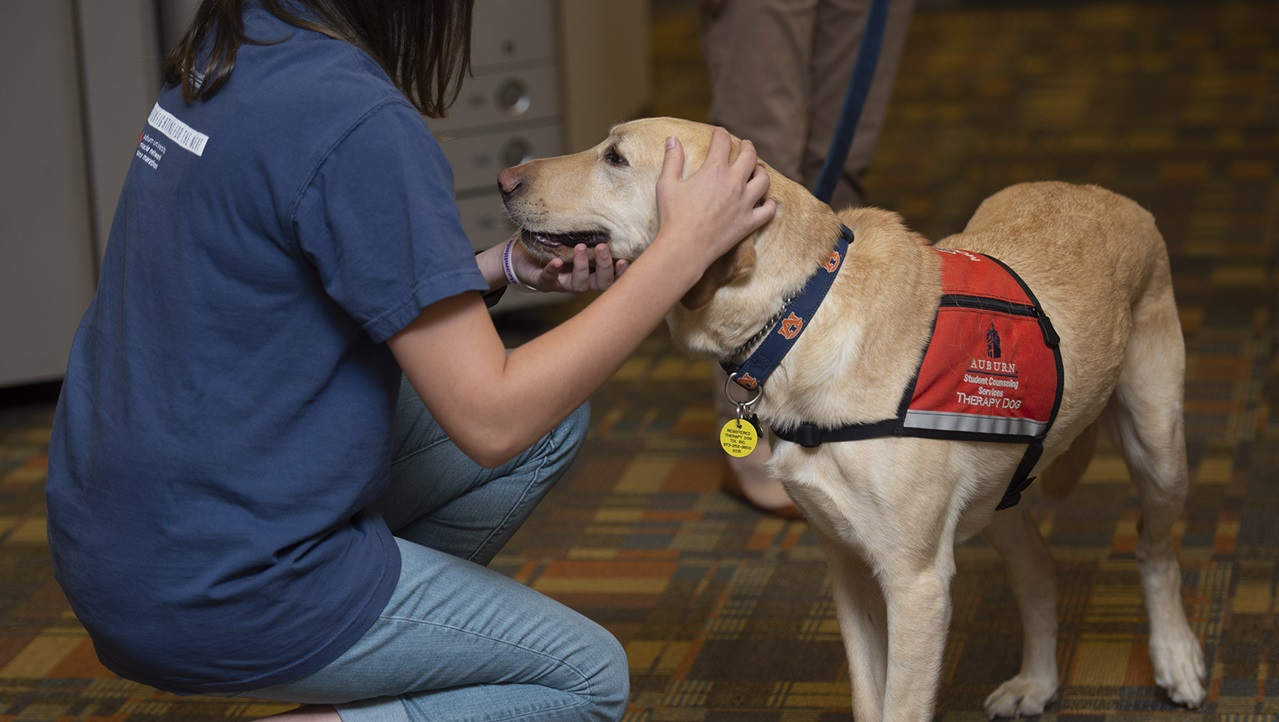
pixel 1179 667
pixel 1021 696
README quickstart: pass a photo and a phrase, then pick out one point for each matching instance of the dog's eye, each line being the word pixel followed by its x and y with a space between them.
pixel 612 157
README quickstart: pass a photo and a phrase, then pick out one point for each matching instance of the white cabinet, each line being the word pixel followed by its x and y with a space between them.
pixel 548 77
pixel 71 113
pixel 79 76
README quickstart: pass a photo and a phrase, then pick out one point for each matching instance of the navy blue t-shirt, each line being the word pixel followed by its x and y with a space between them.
pixel 225 421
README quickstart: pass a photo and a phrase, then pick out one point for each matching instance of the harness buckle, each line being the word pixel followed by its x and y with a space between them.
pixel 807 435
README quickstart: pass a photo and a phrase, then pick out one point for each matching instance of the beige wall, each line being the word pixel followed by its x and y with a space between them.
pixel 606 68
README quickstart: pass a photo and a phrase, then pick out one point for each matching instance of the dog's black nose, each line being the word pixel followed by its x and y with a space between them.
pixel 508 182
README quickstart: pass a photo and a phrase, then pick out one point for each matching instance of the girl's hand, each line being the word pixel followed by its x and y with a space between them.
pixel 593 269
pixel 719 204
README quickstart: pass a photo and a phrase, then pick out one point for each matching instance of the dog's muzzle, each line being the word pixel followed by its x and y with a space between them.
pixel 570 240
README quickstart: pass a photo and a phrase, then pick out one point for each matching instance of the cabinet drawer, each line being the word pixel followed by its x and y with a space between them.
pixel 512 32
pixel 524 95
pixel 477 160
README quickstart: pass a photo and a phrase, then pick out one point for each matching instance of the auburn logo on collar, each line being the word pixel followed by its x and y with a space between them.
pixel 790 326
pixel 832 262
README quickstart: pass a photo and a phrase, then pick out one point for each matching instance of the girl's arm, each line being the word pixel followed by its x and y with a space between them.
pixel 494 405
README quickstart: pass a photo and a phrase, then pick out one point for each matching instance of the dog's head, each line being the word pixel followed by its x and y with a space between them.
pixel 607 194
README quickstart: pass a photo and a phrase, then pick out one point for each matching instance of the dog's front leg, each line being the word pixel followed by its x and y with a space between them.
pixel 1030 572
pixel 918 620
pixel 863 623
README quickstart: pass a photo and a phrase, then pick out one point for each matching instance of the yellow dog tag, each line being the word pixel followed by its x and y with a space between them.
pixel 738 438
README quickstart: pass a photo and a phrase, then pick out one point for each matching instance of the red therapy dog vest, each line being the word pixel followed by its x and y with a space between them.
pixel 988 368
pixel 991 370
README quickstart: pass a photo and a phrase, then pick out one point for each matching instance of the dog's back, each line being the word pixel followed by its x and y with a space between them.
pixel 1099 267
pixel 1110 243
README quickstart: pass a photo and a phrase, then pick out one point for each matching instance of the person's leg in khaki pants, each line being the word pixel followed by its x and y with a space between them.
pixel 779 71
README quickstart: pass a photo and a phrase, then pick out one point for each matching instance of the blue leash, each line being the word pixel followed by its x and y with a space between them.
pixel 854 100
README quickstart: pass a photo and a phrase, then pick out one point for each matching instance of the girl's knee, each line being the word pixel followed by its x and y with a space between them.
pixel 559 448
pixel 610 684
pixel 576 426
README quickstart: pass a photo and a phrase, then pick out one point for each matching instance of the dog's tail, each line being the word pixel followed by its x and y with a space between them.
pixel 1061 476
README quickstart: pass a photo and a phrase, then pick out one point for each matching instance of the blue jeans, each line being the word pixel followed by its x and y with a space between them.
pixel 459 641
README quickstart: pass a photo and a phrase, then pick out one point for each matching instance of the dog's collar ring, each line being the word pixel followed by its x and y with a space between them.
pixel 733 382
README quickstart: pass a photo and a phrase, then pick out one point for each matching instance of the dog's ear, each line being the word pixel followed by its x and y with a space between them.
pixel 730 267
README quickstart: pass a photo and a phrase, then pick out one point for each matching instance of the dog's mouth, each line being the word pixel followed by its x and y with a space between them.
pixel 551 241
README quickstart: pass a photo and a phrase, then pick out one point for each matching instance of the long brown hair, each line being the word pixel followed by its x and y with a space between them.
pixel 424 45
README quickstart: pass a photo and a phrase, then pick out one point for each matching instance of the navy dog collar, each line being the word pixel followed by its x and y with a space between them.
pixel 784 330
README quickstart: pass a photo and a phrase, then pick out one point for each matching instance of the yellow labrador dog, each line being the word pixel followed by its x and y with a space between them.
pixel 1084 332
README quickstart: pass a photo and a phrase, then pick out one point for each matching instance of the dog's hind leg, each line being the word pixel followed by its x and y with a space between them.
pixel 1014 535
pixel 863 624
pixel 1146 415
pixel 1063 474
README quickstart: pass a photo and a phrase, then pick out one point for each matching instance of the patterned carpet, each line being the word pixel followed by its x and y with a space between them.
pixel 725 613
